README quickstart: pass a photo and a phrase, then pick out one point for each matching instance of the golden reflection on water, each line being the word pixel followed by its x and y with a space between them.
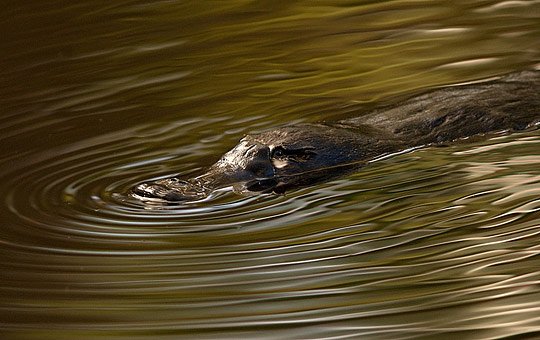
pixel 439 242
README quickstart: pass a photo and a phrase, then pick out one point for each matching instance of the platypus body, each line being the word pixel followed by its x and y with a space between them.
pixel 299 155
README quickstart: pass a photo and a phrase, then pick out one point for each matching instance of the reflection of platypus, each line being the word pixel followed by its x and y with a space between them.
pixel 299 155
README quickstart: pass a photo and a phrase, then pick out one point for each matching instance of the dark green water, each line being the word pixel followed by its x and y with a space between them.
pixel 97 96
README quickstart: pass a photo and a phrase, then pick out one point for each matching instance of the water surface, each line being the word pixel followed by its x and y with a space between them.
pixel 99 96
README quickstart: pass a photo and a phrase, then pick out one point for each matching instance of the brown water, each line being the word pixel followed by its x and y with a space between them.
pixel 97 96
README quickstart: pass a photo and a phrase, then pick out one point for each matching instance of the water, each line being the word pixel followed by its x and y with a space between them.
pixel 98 96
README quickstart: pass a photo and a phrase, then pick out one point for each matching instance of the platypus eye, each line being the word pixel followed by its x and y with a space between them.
pixel 278 152
pixel 304 154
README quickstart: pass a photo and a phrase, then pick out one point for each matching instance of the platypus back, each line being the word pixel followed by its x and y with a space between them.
pixel 509 103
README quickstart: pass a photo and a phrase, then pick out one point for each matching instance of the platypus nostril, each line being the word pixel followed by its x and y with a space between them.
pixel 142 190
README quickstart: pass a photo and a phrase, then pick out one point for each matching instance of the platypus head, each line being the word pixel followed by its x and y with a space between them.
pixel 274 161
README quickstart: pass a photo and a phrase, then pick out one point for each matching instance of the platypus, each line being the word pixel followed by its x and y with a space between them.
pixel 294 156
